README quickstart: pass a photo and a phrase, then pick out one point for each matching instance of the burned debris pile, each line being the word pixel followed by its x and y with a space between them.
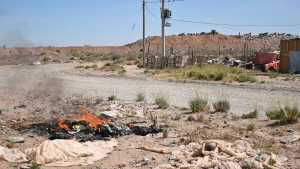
pixel 89 127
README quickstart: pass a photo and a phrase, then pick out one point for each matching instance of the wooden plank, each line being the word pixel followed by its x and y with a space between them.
pixel 298 45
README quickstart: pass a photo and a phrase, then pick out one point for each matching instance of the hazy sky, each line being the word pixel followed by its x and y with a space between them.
pixel 115 22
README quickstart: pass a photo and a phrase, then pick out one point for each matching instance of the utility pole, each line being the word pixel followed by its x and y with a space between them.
pixel 144 32
pixel 163 39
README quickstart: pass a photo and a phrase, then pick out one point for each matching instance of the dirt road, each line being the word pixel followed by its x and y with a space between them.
pixel 61 80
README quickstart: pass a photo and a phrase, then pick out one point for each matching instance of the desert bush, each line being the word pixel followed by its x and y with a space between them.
pixel 94 66
pixel 122 71
pixel 250 115
pixel 112 98
pixel 115 57
pixel 146 71
pixel 131 58
pixel 161 102
pixel 79 67
pixel 251 127
pixel 212 73
pixel 245 78
pixel 113 68
pixel 222 106
pixel 35 166
pixel 273 75
pixel 286 114
pixel 140 97
pixel 76 54
pixel 198 104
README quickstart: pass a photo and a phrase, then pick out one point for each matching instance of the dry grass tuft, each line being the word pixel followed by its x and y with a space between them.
pixel 198 104
pixel 140 97
pixel 161 102
pixel 222 106
pixel 285 115
pixel 209 73
pixel 251 115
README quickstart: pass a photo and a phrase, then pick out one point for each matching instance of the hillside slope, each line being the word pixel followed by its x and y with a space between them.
pixel 211 44
pixel 207 45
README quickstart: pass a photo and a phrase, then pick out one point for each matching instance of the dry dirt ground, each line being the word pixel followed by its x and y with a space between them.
pixel 31 94
pixel 182 129
pixel 63 80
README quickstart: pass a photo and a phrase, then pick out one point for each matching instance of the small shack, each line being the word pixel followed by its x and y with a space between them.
pixel 290 56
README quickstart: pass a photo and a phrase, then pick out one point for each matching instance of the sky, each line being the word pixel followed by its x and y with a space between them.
pixel 118 22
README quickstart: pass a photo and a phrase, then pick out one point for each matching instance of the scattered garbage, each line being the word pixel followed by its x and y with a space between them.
pixel 36 63
pixel 290 139
pixel 16 139
pixel 221 154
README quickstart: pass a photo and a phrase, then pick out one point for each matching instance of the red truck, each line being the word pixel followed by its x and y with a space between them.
pixel 267 61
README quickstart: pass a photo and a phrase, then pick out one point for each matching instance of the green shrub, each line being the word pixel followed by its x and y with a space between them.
pixel 122 71
pixel 222 106
pixel 35 166
pixel 251 127
pixel 250 115
pixel 112 98
pixel 236 70
pixel 245 78
pixel 94 66
pixel 140 97
pixel 286 114
pixel 213 72
pixel 219 76
pixel 112 67
pixel 79 67
pixel 115 57
pixel 161 102
pixel 197 104
pixel 273 75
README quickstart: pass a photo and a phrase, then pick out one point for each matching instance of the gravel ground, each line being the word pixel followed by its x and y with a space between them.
pixel 60 79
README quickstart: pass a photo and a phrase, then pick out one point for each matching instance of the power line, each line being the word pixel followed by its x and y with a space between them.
pixel 217 24
pixel 231 25
pixel 151 13
pixel 158 1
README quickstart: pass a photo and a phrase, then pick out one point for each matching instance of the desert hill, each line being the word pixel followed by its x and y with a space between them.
pixel 207 44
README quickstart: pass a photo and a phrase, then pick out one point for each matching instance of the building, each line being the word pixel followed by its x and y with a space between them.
pixel 290 56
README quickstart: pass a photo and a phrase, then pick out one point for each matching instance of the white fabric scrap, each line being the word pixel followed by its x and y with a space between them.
pixel 12 155
pixel 61 153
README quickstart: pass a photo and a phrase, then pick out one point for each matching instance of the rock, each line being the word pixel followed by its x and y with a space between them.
pixel 37 63
pixel 290 139
pixel 122 165
pixel 185 166
pixel 165 133
pixel 251 163
pixel 210 146
pixel 278 159
pixel 143 162
pixel 231 165
pixel 191 118
pixel 146 159
pixel 25 166
pixel 164 166
pixel 16 139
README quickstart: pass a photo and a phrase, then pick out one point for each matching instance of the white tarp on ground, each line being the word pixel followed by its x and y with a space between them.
pixel 12 155
pixel 60 153
pixel 294 63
